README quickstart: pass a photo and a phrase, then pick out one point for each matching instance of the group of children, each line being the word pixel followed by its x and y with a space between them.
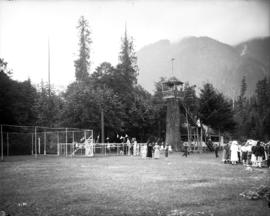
pixel 254 153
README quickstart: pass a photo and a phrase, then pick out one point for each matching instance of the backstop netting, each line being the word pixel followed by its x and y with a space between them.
pixel 36 140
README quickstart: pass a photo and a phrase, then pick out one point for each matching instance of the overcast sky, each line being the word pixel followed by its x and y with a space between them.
pixel 25 27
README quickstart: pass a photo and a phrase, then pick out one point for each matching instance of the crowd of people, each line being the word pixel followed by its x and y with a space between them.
pixel 153 148
pixel 251 153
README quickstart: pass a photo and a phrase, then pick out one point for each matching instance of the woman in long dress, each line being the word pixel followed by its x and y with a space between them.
pixel 234 152
pixel 149 150
pixel 134 147
pixel 143 151
pixel 226 154
pixel 156 151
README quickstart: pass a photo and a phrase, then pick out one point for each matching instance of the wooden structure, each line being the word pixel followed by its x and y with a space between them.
pixel 173 94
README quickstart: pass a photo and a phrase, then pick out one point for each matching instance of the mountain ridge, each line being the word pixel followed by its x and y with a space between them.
pixel 202 59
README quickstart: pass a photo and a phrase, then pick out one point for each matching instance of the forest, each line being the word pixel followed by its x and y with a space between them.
pixel 127 107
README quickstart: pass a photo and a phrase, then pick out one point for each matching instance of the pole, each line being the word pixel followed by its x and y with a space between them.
pixel 66 142
pixel 45 143
pixel 39 145
pixel 7 145
pixel 73 143
pixel 49 68
pixel 58 145
pixel 188 129
pixel 102 126
pixel 32 151
pixel 197 135
pixel 35 142
pixel 172 65
pixel 219 137
pixel 201 136
pixel 2 144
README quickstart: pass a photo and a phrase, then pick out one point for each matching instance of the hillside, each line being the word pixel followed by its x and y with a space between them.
pixel 203 59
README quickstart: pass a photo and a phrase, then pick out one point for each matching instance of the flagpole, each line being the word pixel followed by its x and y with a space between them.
pixel 49 68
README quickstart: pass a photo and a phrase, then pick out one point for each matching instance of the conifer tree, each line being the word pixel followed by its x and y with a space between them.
pixel 243 87
pixel 82 64
pixel 128 61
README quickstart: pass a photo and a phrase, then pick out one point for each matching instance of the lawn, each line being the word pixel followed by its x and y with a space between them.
pixel 122 185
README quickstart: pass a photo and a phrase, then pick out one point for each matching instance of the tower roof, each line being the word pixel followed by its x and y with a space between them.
pixel 172 82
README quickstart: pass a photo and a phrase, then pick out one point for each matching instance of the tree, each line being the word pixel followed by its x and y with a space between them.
pixel 190 99
pixel 263 104
pixel 127 66
pixel 48 107
pixel 82 64
pixel 243 87
pixel 214 110
pixel 16 98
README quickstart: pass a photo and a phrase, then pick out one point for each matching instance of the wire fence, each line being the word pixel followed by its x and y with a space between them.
pixel 36 140
pixel 100 149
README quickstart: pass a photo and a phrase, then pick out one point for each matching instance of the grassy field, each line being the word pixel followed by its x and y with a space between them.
pixel 197 185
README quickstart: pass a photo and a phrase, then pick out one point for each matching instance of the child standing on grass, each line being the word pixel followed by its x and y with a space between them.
pixel 244 154
pixel 226 153
pixel 216 148
pixel 166 150
pixel 185 149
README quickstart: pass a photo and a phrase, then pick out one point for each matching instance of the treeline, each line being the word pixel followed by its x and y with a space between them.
pixel 252 114
pixel 127 108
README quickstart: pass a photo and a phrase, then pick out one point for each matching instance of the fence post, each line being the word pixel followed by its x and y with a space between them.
pixel 73 140
pixel 32 143
pixel 66 142
pixel 39 145
pixel 7 145
pixel 35 142
pixel 58 145
pixel 44 150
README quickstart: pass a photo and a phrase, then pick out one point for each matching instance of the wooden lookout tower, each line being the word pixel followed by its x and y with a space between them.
pixel 173 93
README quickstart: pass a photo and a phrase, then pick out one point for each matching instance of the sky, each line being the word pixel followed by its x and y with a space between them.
pixel 27 26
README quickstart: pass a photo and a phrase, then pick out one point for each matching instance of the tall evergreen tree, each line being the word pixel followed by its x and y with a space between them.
pixel 128 61
pixel 82 64
pixel 215 110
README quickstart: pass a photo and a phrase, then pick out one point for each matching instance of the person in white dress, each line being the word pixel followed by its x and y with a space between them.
pixel 156 151
pixel 128 146
pixel 134 147
pixel 143 151
pixel 89 147
pixel 234 152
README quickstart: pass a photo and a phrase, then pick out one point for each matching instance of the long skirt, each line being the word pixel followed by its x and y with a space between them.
pixel 234 156
pixel 224 158
pixel 244 156
pixel 149 151
pixel 253 158
pixel 134 150
pixel 166 152
pixel 156 154
pixel 143 151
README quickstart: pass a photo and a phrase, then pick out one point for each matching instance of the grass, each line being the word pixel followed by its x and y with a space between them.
pixel 128 186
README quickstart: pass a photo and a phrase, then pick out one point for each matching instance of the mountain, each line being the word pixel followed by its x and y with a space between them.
pixel 202 59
